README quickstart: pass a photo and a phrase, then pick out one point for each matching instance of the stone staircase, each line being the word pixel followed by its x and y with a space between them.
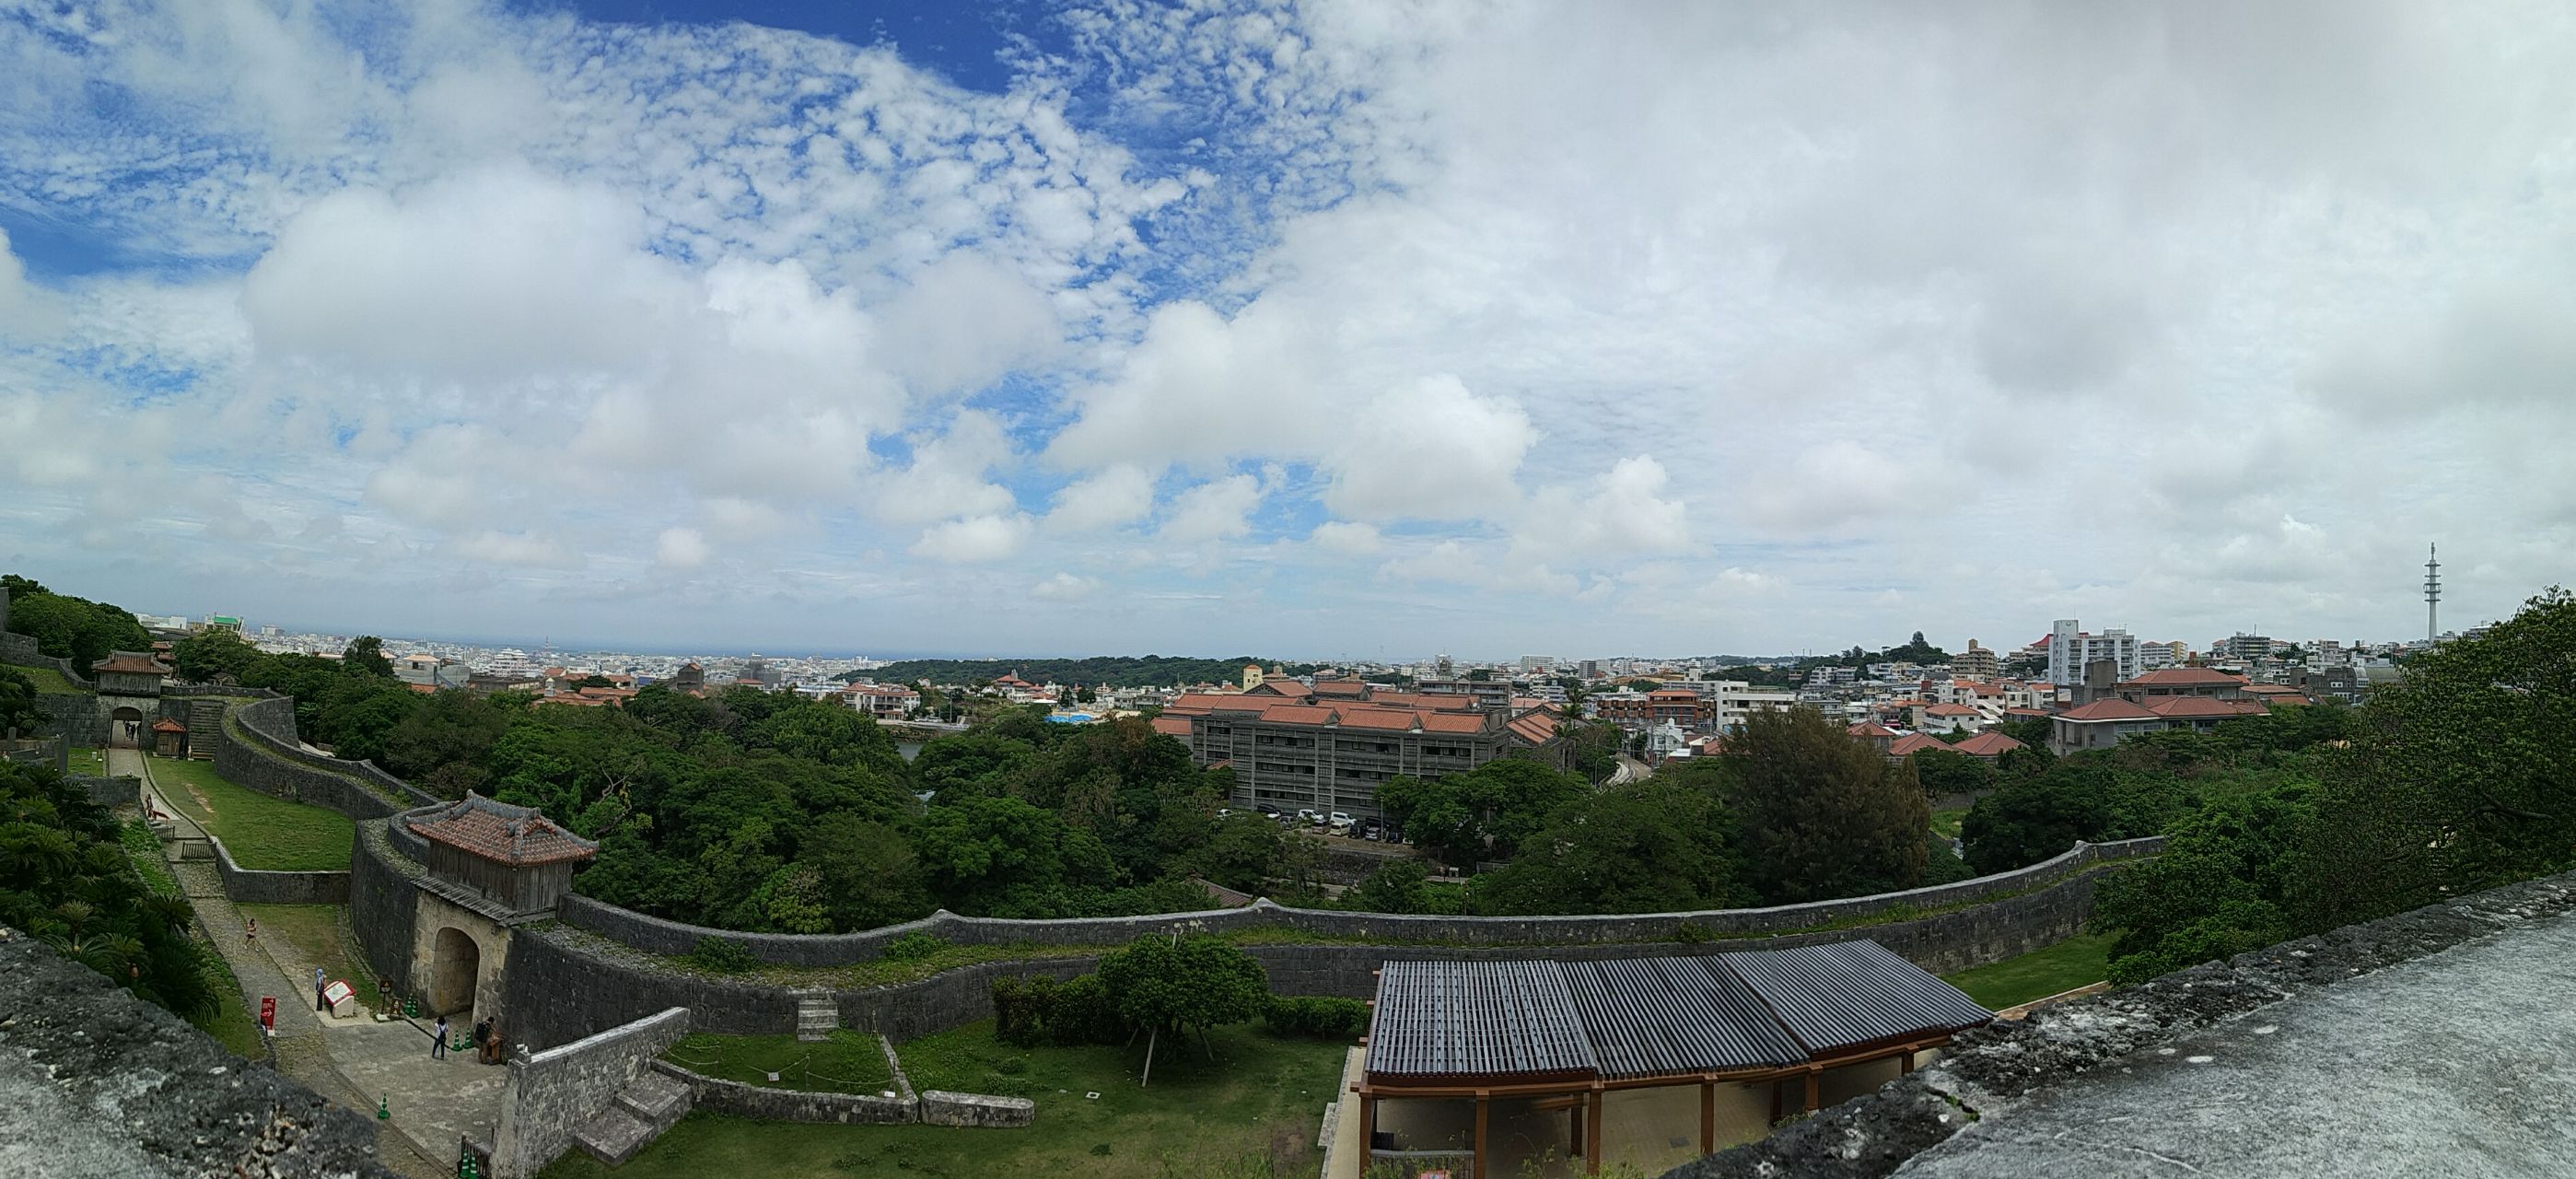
pixel 205 728
pixel 648 1105
pixel 817 1017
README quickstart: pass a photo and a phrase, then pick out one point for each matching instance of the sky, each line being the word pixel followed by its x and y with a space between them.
pixel 1358 328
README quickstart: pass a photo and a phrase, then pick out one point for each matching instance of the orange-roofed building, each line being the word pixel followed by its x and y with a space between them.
pixel 1989 747
pixel 1328 746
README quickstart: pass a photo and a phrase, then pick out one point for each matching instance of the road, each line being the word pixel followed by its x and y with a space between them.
pixel 1630 770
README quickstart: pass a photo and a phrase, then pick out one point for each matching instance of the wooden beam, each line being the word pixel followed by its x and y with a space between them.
pixel 1812 1075
pixel 1905 1062
pixel 1592 1141
pixel 1708 1117
pixel 1481 1101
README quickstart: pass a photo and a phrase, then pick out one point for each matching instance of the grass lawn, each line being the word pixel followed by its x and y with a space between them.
pixel 232 1024
pixel 1250 1114
pixel 2078 961
pixel 49 681
pixel 316 933
pixel 88 763
pixel 849 1062
pixel 1946 823
pixel 261 832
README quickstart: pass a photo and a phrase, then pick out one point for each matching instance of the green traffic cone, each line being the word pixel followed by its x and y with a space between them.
pixel 383 1112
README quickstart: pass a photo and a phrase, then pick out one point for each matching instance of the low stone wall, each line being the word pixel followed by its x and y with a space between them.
pixel 657 936
pixel 263 887
pixel 792 1105
pixel 565 982
pixel 551 1092
pixel 940 1108
pixel 119 791
pixel 17 650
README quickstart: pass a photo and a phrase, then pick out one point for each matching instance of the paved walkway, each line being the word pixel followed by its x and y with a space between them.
pixel 2459 1063
pixel 355 1061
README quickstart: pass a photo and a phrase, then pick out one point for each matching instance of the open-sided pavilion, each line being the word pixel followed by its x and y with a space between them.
pixel 1550 1037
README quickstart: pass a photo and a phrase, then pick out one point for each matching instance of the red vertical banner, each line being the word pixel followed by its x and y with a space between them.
pixel 268 1012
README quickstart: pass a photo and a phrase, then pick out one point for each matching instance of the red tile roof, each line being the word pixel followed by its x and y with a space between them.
pixel 1949 710
pixel 2188 707
pixel 2175 677
pixel 2111 710
pixel 1870 729
pixel 130 663
pixel 1287 713
pixel 1341 687
pixel 1913 742
pixel 1987 745
pixel 1379 718
pixel 1454 722
pixel 1537 728
pixel 166 725
pixel 515 835
pixel 1172 726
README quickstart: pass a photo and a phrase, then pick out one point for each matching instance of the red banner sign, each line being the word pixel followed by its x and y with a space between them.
pixel 268 1012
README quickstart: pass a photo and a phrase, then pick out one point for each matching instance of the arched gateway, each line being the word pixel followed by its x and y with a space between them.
pixel 492 866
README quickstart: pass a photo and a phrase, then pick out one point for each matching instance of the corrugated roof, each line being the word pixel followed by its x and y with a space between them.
pixel 1851 993
pixel 1494 1018
pixel 1647 1016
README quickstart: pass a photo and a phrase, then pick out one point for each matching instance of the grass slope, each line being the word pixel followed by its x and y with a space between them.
pixel 849 1062
pixel 1253 1112
pixel 2078 961
pixel 317 933
pixel 87 762
pixel 263 833
pixel 50 682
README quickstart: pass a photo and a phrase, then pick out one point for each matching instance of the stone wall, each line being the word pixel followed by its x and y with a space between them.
pixel 17 650
pixel 564 982
pixel 383 901
pixel 550 1092
pixel 791 1105
pixel 657 936
pixel 260 750
pixel 98 1082
pixel 940 1108
pixel 248 887
pixel 124 791
pixel 81 719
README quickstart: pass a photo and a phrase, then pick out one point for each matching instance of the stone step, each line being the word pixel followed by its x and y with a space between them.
pixel 657 1099
pixel 817 1017
pixel 613 1135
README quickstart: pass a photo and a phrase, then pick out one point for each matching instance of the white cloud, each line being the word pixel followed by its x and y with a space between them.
pixel 1433 451
pixel 1214 510
pixel 1621 514
pixel 1349 539
pixel 1066 587
pixel 964 322
pixel 1121 494
pixel 974 539
pixel 680 549
pixel 946 476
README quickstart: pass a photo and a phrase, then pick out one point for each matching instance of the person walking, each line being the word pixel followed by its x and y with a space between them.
pixel 318 1003
pixel 438 1040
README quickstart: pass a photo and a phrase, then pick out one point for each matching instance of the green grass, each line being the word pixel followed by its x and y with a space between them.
pixel 319 935
pixel 1250 1114
pixel 1946 823
pixel 262 833
pixel 231 1025
pixel 50 682
pixel 2078 961
pixel 88 763
pixel 849 1062
pixel 144 848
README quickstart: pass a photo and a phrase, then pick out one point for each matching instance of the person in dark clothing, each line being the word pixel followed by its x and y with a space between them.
pixel 482 1032
pixel 438 1040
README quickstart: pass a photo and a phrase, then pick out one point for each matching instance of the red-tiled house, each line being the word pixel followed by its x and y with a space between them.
pixel 1989 747
pixel 513 856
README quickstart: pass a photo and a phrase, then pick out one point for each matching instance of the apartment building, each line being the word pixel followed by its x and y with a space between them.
pixel 1329 746
pixel 2070 649
pixel 1976 663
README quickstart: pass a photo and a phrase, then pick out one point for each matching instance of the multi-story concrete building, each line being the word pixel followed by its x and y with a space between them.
pixel 1976 663
pixel 2069 649
pixel 1636 711
pixel 1327 747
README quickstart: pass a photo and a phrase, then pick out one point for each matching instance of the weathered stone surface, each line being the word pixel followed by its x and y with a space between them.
pixel 942 1108
pixel 2406 1045
pixel 94 1082
pixel 553 1094
pixel 791 1105
pixel 262 887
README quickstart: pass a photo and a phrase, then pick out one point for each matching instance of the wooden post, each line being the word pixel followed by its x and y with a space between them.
pixel 1905 1062
pixel 1368 1128
pixel 1592 1141
pixel 1708 1117
pixel 1480 1135
pixel 1812 1075
pixel 1776 1111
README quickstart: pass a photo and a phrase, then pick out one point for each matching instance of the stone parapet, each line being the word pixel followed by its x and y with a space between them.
pixel 552 1091
pixel 940 1108
pixel 248 886
pixel 792 1105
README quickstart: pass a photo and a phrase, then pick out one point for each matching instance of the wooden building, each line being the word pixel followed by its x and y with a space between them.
pixel 512 856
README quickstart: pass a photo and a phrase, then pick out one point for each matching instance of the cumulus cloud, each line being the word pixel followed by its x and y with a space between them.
pixel 974 539
pixel 1121 494
pixel 1066 587
pixel 1347 538
pixel 680 549
pixel 1433 451
pixel 1621 513
pixel 946 476
pixel 1214 510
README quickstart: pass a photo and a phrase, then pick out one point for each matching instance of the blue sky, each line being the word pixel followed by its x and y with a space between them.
pixel 1307 329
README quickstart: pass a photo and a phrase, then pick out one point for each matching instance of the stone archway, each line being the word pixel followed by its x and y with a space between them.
pixel 456 967
pixel 125 728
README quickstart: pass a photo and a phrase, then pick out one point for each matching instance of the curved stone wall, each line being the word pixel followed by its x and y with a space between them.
pixel 657 936
pixel 259 750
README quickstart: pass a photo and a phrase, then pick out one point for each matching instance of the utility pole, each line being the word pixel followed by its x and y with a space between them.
pixel 2432 593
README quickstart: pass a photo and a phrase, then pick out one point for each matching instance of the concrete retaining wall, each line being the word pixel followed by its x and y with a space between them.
pixel 792 1105
pixel 657 936
pixel 551 1092
pixel 263 887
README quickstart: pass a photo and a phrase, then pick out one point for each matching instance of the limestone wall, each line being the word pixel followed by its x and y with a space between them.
pixel 940 1108
pixel 262 887
pixel 790 1105
pixel 383 902
pixel 122 791
pixel 657 936
pixel 550 1092
pixel 260 750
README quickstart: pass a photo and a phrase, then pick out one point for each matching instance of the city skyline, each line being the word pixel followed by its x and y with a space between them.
pixel 1311 331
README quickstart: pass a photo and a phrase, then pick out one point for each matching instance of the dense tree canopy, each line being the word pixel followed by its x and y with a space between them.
pixel 1117 671
pixel 66 879
pixel 71 628
pixel 1824 815
pixel 1655 846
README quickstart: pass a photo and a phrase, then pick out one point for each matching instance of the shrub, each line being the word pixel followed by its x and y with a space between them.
pixel 1029 1010
pixel 912 947
pixel 1316 1017
pixel 1019 1008
pixel 721 955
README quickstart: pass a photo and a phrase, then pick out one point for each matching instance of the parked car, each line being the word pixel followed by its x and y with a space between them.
pixel 1340 821
pixel 1267 809
pixel 1307 816
pixel 1223 811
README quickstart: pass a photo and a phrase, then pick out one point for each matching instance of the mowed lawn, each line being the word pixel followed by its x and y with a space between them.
pixel 1252 1113
pixel 2078 961
pixel 264 833
pixel 850 1062
pixel 49 681
pixel 315 933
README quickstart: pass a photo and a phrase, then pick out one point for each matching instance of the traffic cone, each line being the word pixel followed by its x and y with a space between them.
pixel 383 1112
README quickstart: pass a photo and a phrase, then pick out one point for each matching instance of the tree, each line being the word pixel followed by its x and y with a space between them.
pixel 1243 853
pixel 1824 815
pixel 1945 773
pixel 209 653
pixel 2029 821
pixel 366 654
pixel 1399 886
pixel 1173 984
pixel 442 730
pixel 1001 857
pixel 1649 847
pixel 76 629
pixel 19 711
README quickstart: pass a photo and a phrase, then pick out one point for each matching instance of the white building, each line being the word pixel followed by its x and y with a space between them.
pixel 2070 649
